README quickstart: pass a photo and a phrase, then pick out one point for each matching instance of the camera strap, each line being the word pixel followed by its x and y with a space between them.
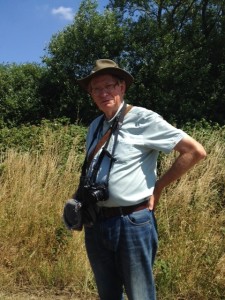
pixel 104 140
pixel 100 143
pixel 113 130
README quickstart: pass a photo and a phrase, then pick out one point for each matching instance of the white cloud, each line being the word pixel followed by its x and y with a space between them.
pixel 65 13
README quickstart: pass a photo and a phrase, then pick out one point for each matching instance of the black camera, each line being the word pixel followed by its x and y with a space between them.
pixel 95 192
pixel 84 210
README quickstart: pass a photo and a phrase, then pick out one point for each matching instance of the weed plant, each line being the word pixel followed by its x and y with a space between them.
pixel 39 171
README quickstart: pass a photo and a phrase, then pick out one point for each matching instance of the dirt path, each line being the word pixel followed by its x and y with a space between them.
pixel 32 297
pixel 25 296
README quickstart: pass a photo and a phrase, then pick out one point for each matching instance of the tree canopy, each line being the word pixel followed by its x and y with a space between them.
pixel 174 49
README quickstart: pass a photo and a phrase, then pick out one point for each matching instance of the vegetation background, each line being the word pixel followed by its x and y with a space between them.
pixel 176 52
pixel 174 49
pixel 40 169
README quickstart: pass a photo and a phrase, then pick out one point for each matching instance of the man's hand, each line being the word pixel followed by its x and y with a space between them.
pixel 154 199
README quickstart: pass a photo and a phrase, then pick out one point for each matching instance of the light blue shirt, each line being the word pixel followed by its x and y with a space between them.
pixel 133 174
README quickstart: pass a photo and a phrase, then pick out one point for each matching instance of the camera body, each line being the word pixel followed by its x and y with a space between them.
pixel 84 210
pixel 95 192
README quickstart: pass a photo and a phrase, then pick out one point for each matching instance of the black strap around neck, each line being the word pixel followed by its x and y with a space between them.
pixel 115 129
pixel 117 123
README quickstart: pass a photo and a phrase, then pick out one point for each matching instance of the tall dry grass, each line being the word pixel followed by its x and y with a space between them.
pixel 38 253
pixel 191 259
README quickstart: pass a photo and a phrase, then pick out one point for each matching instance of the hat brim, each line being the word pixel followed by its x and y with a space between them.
pixel 127 77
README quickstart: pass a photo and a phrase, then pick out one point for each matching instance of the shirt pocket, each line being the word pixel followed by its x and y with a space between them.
pixel 126 151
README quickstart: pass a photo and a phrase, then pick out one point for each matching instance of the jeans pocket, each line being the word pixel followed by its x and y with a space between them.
pixel 140 218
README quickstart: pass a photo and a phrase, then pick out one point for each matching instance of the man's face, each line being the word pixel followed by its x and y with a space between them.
pixel 107 92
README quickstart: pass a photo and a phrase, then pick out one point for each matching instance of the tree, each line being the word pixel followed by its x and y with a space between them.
pixel 19 99
pixel 71 53
pixel 176 52
pixel 174 49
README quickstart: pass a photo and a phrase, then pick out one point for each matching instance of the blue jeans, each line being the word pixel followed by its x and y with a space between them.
pixel 121 251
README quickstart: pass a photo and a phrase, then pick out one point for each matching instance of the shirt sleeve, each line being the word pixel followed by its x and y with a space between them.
pixel 157 133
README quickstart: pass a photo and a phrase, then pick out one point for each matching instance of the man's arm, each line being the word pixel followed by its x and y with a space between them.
pixel 190 153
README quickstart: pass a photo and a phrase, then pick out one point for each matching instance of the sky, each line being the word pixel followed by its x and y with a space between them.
pixel 26 27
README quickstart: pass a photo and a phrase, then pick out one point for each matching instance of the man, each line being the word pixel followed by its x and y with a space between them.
pixel 122 243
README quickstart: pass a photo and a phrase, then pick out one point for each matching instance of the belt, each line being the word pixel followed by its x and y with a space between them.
pixel 110 212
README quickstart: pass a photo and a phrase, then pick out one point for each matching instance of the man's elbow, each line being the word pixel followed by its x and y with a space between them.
pixel 190 146
pixel 200 153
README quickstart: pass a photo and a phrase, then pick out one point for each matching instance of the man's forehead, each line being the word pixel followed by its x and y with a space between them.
pixel 102 79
